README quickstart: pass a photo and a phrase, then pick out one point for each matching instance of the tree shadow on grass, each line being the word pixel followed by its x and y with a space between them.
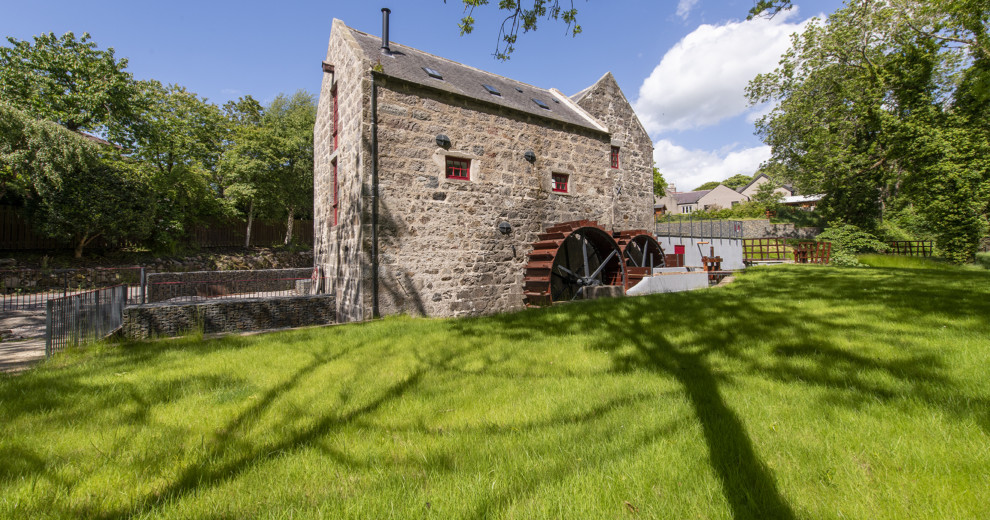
pixel 723 326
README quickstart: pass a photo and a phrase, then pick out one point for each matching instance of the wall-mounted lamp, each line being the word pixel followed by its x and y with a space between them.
pixel 530 156
pixel 443 141
pixel 505 228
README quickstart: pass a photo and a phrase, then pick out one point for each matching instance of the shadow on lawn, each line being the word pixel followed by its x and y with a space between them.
pixel 638 334
pixel 634 332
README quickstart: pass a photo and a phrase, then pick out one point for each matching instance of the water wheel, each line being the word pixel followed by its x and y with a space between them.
pixel 567 259
pixel 640 252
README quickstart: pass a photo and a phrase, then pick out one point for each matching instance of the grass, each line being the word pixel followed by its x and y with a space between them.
pixel 796 392
pixel 983 260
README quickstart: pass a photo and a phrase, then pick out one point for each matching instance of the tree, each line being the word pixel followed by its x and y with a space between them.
pixel 272 156
pixel 881 102
pixel 659 183
pixel 181 136
pixel 68 81
pixel 241 165
pixel 526 14
pixel 74 189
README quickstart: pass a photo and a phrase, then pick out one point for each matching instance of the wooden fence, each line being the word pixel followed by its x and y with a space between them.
pixel 765 249
pixel 911 247
pixel 16 234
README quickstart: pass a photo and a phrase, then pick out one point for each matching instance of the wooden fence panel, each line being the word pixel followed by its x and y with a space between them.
pixel 911 247
pixel 16 234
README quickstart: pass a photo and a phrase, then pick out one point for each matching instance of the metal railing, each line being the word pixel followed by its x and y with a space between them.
pixel 688 226
pixel 31 289
pixel 83 317
pixel 183 291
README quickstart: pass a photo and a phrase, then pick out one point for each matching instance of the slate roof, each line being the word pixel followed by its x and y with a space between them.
pixel 690 197
pixel 410 65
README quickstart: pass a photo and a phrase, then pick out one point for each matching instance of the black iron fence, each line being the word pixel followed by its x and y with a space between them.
pixel 688 226
pixel 212 285
pixel 31 289
pixel 83 317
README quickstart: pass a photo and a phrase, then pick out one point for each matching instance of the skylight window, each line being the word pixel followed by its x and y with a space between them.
pixel 432 73
pixel 541 104
pixel 492 90
pixel 518 89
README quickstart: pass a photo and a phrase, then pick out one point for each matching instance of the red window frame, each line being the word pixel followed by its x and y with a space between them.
pixel 615 157
pixel 336 200
pixel 458 168
pixel 336 118
pixel 560 182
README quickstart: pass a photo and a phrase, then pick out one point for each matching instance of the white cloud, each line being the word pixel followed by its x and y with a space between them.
pixel 684 8
pixel 688 169
pixel 701 80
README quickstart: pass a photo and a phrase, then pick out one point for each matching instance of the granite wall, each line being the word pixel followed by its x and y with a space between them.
pixel 164 286
pixel 242 315
pixel 439 249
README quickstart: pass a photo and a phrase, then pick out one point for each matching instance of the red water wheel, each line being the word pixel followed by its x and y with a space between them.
pixel 567 259
pixel 640 252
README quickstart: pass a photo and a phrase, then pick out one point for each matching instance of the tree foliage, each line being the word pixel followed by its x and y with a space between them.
pixel 525 15
pixel 659 183
pixel 882 104
pixel 74 189
pixel 182 159
pixel 733 183
pixel 68 81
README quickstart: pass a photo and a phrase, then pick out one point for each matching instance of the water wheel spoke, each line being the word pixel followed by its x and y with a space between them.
pixel 602 265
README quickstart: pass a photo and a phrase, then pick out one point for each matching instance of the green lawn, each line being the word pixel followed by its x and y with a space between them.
pixel 795 392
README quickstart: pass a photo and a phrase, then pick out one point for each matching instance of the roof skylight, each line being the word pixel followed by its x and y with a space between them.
pixel 492 90
pixel 432 73
pixel 518 89
pixel 541 104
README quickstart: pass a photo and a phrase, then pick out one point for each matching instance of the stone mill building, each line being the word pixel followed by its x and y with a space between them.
pixel 434 178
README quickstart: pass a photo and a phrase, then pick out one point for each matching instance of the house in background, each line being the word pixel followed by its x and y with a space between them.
pixel 432 179
pixel 678 203
pixel 749 190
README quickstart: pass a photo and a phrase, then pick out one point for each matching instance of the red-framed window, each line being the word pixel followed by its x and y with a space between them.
pixel 458 168
pixel 336 200
pixel 615 157
pixel 336 118
pixel 560 182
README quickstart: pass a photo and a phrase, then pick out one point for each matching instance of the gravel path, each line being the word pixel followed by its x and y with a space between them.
pixel 25 345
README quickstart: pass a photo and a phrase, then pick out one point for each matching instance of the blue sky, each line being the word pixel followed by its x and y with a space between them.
pixel 682 63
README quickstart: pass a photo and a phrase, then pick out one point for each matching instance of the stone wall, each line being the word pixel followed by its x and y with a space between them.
pixel 343 249
pixel 439 249
pixel 763 229
pixel 167 320
pixel 441 253
pixel 633 206
pixel 164 286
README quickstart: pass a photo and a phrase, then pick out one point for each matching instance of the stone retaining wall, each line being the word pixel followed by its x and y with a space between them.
pixel 167 320
pixel 763 229
pixel 165 286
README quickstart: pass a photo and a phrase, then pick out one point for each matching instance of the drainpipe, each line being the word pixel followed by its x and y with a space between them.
pixel 374 197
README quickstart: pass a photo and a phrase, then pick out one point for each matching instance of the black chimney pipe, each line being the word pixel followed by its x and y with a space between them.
pixel 385 12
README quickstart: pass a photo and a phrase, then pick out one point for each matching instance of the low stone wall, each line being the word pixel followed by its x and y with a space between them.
pixel 165 286
pixel 167 320
pixel 764 229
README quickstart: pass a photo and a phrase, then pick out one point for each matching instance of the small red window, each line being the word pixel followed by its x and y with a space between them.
pixel 615 156
pixel 336 200
pixel 560 182
pixel 336 118
pixel 458 168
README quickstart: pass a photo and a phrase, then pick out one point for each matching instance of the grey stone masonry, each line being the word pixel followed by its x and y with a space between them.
pixel 439 249
pixel 167 320
pixel 164 286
